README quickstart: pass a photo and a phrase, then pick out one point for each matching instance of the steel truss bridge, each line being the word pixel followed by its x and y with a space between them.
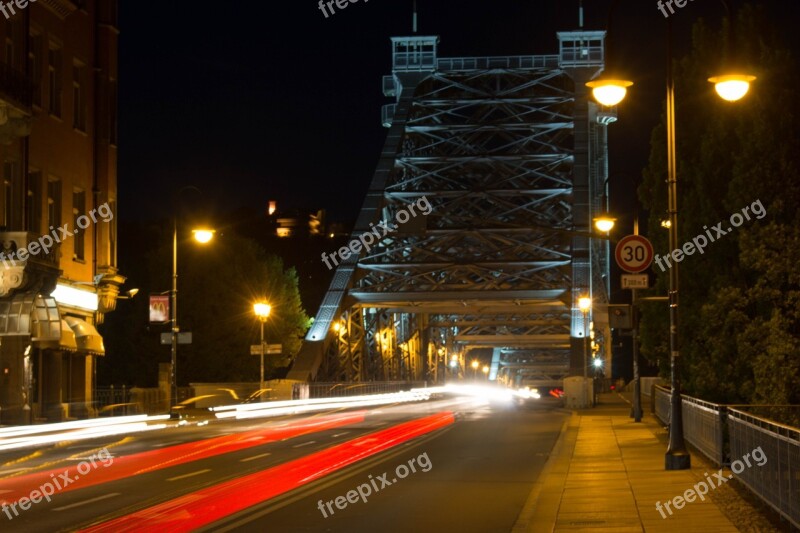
pixel 511 157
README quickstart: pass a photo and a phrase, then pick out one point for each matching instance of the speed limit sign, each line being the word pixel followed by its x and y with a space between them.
pixel 634 253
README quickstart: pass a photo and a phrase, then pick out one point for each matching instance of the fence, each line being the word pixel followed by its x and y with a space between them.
pixel 778 481
pixel 706 426
pixel 335 390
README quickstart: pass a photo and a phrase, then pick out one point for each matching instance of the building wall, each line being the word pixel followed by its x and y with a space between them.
pixel 58 80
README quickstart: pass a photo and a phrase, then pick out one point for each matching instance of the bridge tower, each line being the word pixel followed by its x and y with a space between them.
pixel 502 160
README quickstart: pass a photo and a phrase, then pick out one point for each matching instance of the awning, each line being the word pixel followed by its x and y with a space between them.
pixel 86 336
pixel 67 341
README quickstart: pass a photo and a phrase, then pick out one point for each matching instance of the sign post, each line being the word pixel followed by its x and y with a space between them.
pixel 634 254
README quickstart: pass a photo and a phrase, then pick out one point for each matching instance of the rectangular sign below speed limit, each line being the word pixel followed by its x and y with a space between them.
pixel 634 253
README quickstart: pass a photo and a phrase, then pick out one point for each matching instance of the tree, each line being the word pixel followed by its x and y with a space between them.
pixel 738 301
pixel 217 286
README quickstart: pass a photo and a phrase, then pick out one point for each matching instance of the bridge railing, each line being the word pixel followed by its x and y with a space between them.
pixel 726 434
pixel 336 390
pixel 777 481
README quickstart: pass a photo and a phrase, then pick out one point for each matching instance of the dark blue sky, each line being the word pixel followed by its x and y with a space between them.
pixel 254 100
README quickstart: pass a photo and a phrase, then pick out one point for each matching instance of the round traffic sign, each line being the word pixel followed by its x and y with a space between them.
pixel 634 253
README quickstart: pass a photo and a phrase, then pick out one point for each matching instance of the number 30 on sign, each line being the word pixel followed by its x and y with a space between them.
pixel 634 253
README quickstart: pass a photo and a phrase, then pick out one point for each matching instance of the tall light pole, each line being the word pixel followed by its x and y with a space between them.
pixel 262 311
pixel 475 364
pixel 585 304
pixel 202 236
pixel 730 87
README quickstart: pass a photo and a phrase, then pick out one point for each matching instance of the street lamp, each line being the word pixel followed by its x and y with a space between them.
pixel 203 236
pixel 262 311
pixel 475 364
pixel 730 87
pixel 585 304
pixel 485 370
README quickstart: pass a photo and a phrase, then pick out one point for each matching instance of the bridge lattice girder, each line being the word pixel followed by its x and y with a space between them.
pixel 491 151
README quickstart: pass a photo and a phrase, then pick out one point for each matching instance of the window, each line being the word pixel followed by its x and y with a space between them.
pixel 54 80
pixel 53 203
pixel 78 96
pixel 35 66
pixel 34 204
pixel 78 212
pixel 11 187
pixel 79 238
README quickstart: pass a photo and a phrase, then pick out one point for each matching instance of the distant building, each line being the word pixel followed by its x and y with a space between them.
pixel 298 222
pixel 58 148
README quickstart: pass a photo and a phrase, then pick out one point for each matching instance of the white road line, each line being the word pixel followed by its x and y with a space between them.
pixel 167 443
pixel 5 490
pixel 304 444
pixel 73 505
pixel 253 458
pixel 189 475
pixel 340 434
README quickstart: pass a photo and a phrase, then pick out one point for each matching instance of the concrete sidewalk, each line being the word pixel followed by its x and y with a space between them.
pixel 606 473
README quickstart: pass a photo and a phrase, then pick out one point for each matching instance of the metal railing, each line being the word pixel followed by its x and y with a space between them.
pixel 501 62
pixel 726 434
pixel 704 427
pixel 336 390
pixel 777 481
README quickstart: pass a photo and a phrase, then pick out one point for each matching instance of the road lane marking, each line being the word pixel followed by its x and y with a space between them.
pixel 304 444
pixel 253 458
pixel 340 434
pixel 73 505
pixel 189 475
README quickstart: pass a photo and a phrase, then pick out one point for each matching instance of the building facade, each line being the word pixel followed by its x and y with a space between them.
pixel 58 148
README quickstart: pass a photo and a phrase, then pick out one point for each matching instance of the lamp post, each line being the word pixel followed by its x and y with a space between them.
pixel 585 304
pixel 475 364
pixel 731 87
pixel 203 236
pixel 485 370
pixel 262 311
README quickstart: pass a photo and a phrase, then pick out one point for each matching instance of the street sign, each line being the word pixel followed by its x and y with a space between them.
pixel 184 337
pixel 634 253
pixel 635 281
pixel 272 349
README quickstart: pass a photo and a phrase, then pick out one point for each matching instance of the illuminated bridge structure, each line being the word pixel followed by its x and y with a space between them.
pixel 512 157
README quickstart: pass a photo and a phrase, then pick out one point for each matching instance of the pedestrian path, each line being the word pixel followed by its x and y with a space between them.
pixel 606 473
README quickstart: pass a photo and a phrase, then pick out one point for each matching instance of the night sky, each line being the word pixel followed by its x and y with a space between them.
pixel 253 100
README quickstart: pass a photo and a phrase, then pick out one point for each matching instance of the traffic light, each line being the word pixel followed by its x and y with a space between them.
pixel 620 316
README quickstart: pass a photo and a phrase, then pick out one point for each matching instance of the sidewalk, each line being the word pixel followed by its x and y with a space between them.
pixel 606 473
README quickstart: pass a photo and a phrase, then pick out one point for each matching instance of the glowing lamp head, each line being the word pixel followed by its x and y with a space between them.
pixel 604 223
pixel 203 235
pixel 609 92
pixel 262 310
pixel 732 87
pixel 475 364
pixel 597 362
pixel 485 369
pixel 584 304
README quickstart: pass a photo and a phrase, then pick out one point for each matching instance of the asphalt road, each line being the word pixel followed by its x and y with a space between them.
pixel 479 472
